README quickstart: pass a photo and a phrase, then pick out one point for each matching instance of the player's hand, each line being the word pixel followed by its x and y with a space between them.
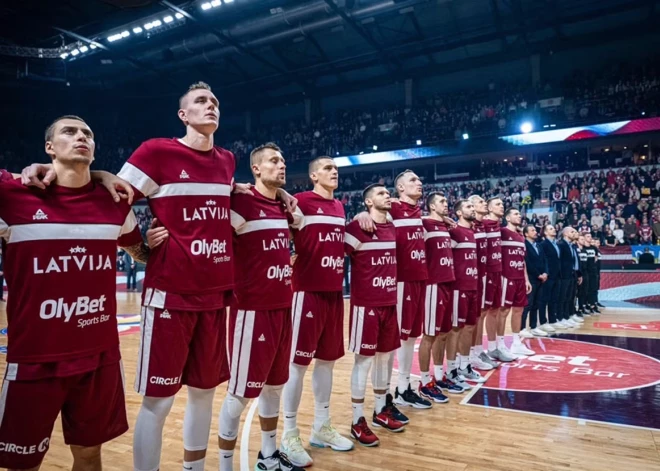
pixel 293 258
pixel 118 188
pixel 243 189
pixel 156 234
pixel 289 201
pixel 39 175
pixel 449 222
pixel 579 280
pixel 365 221
pixel 528 287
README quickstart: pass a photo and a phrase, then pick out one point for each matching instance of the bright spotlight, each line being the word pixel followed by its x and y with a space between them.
pixel 137 30
pixel 93 46
pixel 84 49
pixel 148 26
pixel 419 142
pixel 466 136
pixel 375 147
pixel 168 19
pixel 156 23
pixel 229 1
pixel 125 34
pixel 64 55
pixel 206 6
pixel 75 52
pixel 216 3
pixel 113 38
pixel 526 127
pixel 178 16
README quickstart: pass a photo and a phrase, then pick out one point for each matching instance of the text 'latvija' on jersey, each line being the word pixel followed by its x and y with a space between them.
pixel 410 250
pixel 439 255
pixel 513 255
pixel 464 247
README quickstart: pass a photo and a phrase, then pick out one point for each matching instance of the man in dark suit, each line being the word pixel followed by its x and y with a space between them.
pixel 131 272
pixel 550 296
pixel 646 258
pixel 569 267
pixel 536 272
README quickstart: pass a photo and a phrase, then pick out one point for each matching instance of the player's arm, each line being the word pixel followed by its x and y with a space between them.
pixel 289 201
pixel 351 243
pixel 131 241
pixel 142 171
pixel 528 285
pixel 42 175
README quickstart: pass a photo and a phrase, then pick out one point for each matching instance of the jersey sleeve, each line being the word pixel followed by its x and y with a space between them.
pixel 130 232
pixel 351 242
pixel 297 219
pixel 141 171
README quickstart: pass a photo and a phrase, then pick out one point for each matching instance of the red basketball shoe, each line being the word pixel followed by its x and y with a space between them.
pixel 363 434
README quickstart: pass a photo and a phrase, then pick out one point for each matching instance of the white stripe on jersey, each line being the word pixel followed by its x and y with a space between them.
pixel 331 220
pixel 129 224
pixel 138 179
pixel 192 189
pixel 407 222
pixel 493 234
pixel 464 245
pixel 377 246
pixel 433 234
pixel 236 219
pixel 512 243
pixel 352 240
pixel 480 235
pixel 262 225
pixel 54 231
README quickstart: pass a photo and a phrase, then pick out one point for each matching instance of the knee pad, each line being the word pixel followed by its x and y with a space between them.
pixel 359 376
pixel 269 401
pixel 230 416
pixel 234 405
pixel 197 419
pixel 158 407
pixel 380 373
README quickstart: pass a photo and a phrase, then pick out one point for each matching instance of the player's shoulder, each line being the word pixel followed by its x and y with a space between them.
pixel 158 143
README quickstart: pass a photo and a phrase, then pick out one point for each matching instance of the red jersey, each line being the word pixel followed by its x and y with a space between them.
pixel 373 264
pixel 645 231
pixel 494 237
pixel 5 176
pixel 481 239
pixel 513 255
pixel 60 252
pixel 188 191
pixel 464 247
pixel 318 238
pixel 261 252
pixel 410 250
pixel 439 256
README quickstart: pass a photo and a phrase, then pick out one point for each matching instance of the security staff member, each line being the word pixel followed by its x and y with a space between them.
pixel 592 268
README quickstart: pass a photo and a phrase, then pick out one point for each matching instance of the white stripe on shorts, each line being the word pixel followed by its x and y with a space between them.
pixel 351 341
pixel 399 302
pixel 454 314
pixel 483 291
pixel 3 399
pixel 431 308
pixel 240 359
pixel 505 283
pixel 358 327
pixel 296 313
pixel 146 335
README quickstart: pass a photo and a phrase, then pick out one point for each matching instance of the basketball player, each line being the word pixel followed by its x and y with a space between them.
pixel 374 331
pixel 63 346
pixel 481 237
pixel 493 302
pixel 437 315
pixel 465 298
pixel 318 310
pixel 189 279
pixel 515 284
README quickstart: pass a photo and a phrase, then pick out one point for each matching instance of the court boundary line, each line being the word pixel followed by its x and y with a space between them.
pixel 601 422
pixel 474 390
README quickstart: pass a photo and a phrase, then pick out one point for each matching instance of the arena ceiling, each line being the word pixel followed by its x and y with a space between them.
pixel 282 49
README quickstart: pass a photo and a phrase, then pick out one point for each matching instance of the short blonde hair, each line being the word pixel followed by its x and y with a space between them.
pixel 195 86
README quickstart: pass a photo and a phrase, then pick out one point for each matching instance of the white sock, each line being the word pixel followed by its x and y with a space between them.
pixel 426 377
pixel 380 402
pixel 438 372
pixel 464 361
pixel 322 388
pixel 321 414
pixel 516 339
pixel 472 354
pixel 452 365
pixel 390 368
pixel 226 460
pixel 194 465
pixel 500 341
pixel 478 350
pixel 358 411
pixel 148 432
pixel 268 443
pixel 292 394
pixel 492 345
pixel 405 355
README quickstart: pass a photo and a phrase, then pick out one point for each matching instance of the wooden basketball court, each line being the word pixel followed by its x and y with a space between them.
pixel 508 424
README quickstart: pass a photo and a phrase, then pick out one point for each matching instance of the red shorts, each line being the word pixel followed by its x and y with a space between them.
pixel 181 347
pixel 259 350
pixel 437 318
pixel 466 309
pixel 373 329
pixel 91 403
pixel 514 293
pixel 318 326
pixel 493 290
pixel 410 300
